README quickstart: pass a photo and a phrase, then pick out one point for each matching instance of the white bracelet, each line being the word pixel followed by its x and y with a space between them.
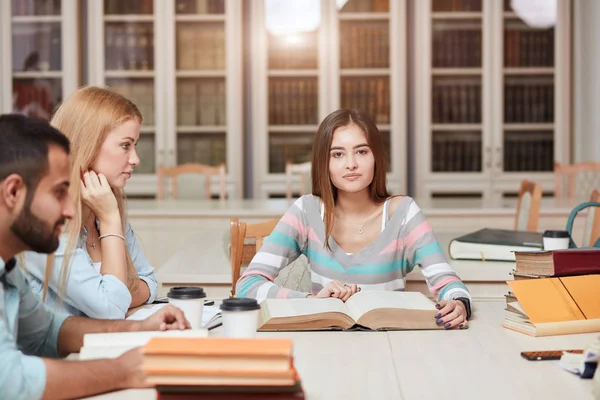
pixel 111 234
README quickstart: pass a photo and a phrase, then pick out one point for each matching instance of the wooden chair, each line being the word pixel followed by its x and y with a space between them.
pixel 528 206
pixel 302 170
pixel 575 181
pixel 241 252
pixel 208 171
pixel 592 225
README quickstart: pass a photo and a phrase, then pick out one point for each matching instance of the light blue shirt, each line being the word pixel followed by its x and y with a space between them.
pixel 28 330
pixel 88 292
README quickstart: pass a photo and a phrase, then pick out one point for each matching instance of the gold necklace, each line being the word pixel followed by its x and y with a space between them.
pixel 361 229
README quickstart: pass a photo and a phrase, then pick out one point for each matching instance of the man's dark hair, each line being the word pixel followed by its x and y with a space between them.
pixel 24 144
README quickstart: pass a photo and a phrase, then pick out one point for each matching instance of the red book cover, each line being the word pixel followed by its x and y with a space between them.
pixel 576 262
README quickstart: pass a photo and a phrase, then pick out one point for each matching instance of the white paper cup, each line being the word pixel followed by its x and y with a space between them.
pixel 556 240
pixel 240 317
pixel 190 300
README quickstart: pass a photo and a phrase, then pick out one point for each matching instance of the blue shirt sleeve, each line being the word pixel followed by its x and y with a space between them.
pixel 141 263
pixel 22 374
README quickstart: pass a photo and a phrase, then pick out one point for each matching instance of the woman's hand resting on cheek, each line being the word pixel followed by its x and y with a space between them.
pixel 451 314
pixel 99 197
pixel 337 289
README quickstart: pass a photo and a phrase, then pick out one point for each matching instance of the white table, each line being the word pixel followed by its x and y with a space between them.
pixel 484 362
pixel 481 362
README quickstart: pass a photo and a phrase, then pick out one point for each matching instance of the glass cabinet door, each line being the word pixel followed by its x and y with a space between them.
pixel 201 81
pixel 292 92
pixel 364 54
pixel 129 66
pixel 456 86
pixel 528 76
pixel 37 82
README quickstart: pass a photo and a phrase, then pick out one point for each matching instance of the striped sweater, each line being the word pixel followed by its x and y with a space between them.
pixel 407 240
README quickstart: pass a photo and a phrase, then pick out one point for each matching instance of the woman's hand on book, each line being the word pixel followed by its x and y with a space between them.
pixel 451 314
pixel 339 290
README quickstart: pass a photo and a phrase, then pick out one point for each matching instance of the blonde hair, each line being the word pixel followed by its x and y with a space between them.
pixel 86 118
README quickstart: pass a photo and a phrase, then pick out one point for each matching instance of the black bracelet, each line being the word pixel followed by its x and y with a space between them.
pixel 467 304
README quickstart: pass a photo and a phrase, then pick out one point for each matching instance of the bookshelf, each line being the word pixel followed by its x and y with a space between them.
pixel 299 79
pixel 39 66
pixel 494 104
pixel 181 57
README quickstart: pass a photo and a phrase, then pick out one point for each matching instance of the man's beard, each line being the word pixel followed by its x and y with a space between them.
pixel 34 232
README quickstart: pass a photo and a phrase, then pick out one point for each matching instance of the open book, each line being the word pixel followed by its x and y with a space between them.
pixel 112 345
pixel 375 310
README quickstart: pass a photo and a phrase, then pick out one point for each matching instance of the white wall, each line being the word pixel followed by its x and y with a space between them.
pixel 586 80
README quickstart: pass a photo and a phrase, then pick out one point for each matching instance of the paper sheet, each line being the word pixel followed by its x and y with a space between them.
pixel 211 315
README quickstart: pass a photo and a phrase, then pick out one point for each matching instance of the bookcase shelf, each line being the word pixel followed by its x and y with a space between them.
pixel 293 128
pixel 129 18
pixel 456 71
pixel 180 63
pixel 201 74
pixel 293 72
pixel 33 19
pixel 202 129
pixel 364 71
pixel 456 15
pixel 375 16
pixel 129 74
pixel 528 71
pixel 456 127
pixel 503 118
pixel 201 18
pixel 37 74
pixel 529 127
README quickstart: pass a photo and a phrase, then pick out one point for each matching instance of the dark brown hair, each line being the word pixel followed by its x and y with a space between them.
pixel 321 181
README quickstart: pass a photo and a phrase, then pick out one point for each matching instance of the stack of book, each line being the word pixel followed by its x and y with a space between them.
pixel 554 293
pixel 221 366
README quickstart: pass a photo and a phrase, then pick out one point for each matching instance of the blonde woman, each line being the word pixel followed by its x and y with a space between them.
pixel 99 269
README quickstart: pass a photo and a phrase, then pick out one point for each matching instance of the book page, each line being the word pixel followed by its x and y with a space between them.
pixel 279 308
pixel 365 301
pixel 135 339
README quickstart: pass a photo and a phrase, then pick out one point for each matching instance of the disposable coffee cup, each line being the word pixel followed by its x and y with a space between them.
pixel 190 300
pixel 240 317
pixel 556 240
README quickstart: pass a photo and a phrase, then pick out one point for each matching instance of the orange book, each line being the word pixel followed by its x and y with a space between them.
pixel 555 306
pixel 218 354
pixel 169 376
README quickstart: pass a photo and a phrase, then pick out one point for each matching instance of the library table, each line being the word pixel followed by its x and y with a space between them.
pixel 483 361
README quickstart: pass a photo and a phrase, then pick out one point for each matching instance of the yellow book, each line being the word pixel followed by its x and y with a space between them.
pixel 555 306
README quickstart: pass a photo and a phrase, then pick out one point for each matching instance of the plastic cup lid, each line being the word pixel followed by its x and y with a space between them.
pixel 239 304
pixel 556 234
pixel 186 293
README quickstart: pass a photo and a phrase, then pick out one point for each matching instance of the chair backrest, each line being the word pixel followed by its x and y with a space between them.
pixel 302 170
pixel 592 226
pixel 207 170
pixel 242 252
pixel 528 206
pixel 576 181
